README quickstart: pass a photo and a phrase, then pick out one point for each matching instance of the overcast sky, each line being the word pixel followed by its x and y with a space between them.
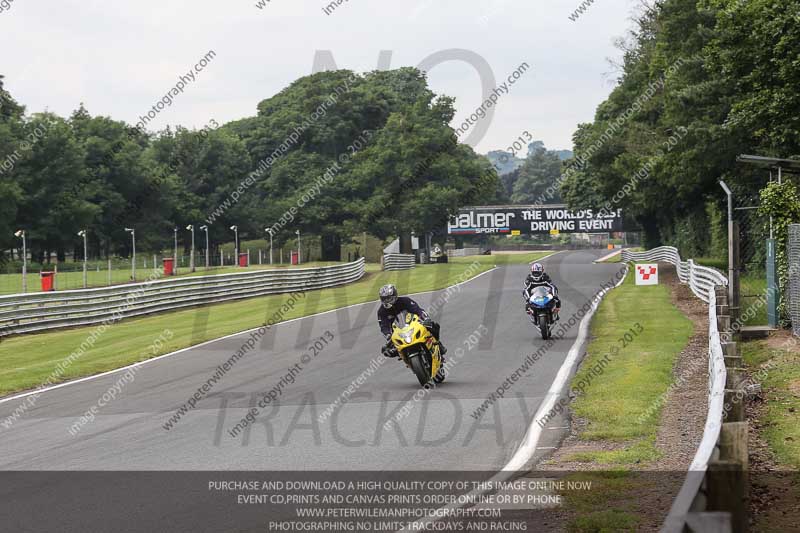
pixel 121 57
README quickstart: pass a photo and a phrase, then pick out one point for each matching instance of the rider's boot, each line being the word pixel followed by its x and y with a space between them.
pixel 442 348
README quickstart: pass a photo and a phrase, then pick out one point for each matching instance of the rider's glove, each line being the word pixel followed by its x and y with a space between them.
pixel 389 350
pixel 428 323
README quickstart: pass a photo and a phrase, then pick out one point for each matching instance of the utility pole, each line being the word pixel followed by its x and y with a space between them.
pixel 82 233
pixel 175 253
pixel 133 261
pixel 204 227
pixel 21 234
pixel 733 257
pixel 235 230
pixel 190 227
pixel 270 244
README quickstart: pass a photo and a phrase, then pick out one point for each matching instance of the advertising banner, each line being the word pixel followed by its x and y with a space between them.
pixel 527 220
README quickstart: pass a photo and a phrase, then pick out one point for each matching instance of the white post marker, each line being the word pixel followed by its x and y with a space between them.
pixel 647 274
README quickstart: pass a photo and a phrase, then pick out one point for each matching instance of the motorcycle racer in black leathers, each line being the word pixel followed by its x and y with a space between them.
pixel 391 306
pixel 539 278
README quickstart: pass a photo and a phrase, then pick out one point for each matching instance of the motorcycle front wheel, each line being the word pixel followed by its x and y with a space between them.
pixel 420 369
pixel 544 327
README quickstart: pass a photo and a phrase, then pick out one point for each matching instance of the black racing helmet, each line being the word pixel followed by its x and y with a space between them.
pixel 388 294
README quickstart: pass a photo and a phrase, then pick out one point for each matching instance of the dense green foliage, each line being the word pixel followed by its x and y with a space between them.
pixel 333 155
pixel 528 183
pixel 781 202
pixel 525 181
pixel 701 82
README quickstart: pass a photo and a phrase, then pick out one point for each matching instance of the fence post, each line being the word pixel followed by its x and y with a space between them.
pixel 109 271
pixel 793 283
pixel 730 352
pixel 773 294
pixel 727 476
pixel 733 271
pixel 734 392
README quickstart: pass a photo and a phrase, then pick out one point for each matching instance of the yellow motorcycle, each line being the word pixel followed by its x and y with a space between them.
pixel 418 348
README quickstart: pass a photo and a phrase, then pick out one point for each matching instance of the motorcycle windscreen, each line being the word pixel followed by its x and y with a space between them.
pixel 402 319
pixel 541 296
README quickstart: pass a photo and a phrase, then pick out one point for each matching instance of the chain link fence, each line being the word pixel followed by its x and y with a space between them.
pixel 793 285
pixel 754 230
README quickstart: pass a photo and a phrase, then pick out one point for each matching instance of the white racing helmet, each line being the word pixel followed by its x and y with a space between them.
pixel 388 294
pixel 537 271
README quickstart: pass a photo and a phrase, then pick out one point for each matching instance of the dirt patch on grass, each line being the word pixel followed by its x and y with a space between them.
pixel 651 493
pixel 774 490
pixel 774 487
pixel 684 414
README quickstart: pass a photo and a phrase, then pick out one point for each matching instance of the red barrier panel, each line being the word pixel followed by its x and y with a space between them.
pixel 47 280
pixel 169 266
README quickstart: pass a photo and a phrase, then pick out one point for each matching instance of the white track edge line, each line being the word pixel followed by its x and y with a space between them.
pixel 528 448
pixel 607 257
pixel 548 256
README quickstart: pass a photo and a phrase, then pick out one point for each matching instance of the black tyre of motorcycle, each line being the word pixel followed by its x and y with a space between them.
pixel 421 368
pixel 544 326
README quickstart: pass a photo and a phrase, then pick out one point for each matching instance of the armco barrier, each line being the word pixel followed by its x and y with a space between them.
pixel 700 279
pixel 398 261
pixel 26 313
pixel 702 504
pixel 464 252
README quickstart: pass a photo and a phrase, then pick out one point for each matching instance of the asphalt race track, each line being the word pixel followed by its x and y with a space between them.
pixel 437 432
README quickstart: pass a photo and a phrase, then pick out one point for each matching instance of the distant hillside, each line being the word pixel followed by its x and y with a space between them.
pixel 526 180
pixel 506 162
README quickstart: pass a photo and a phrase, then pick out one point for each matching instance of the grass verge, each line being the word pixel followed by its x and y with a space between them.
pixel 774 418
pixel 637 336
pixel 27 361
pixel 777 369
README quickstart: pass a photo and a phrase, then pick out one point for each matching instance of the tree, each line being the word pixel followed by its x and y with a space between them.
pixel 540 171
pixel 56 202
pixel 10 192
pixel 701 82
